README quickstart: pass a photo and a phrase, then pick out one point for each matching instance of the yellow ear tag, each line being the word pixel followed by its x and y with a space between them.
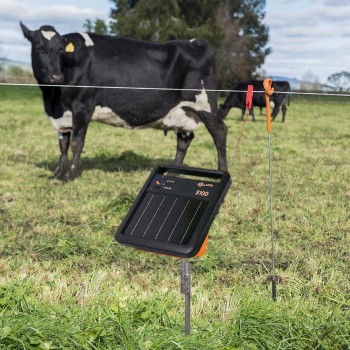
pixel 70 47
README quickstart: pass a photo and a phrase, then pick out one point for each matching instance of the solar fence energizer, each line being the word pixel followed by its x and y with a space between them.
pixel 172 215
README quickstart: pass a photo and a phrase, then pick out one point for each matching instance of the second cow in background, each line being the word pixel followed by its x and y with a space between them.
pixel 237 98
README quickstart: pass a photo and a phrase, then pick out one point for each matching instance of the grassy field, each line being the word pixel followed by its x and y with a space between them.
pixel 66 284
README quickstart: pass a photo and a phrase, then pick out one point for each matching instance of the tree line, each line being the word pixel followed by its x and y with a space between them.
pixel 340 81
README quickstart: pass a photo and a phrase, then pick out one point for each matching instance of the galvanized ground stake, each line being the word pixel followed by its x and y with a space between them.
pixel 269 92
pixel 186 290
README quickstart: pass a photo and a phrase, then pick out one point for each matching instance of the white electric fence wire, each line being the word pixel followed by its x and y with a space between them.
pixel 169 89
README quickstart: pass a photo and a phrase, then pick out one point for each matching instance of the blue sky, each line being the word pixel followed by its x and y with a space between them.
pixel 306 36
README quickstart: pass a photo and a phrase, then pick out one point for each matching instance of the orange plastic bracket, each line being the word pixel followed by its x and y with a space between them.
pixel 203 248
pixel 269 91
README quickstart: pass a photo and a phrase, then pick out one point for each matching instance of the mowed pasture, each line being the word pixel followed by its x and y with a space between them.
pixel 66 284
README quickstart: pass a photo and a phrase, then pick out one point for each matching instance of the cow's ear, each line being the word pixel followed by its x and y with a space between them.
pixel 26 32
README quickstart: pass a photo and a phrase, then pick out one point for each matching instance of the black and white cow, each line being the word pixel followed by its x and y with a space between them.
pixel 177 72
pixel 237 98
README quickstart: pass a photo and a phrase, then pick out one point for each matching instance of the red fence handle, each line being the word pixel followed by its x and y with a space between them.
pixel 249 97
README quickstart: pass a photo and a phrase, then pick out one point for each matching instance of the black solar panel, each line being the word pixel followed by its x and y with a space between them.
pixel 174 210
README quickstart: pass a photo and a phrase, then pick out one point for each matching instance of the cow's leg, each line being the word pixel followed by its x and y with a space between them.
pixel 78 140
pixel 81 118
pixel 284 112
pixel 64 142
pixel 218 130
pixel 243 112
pixel 252 113
pixel 275 111
pixel 183 142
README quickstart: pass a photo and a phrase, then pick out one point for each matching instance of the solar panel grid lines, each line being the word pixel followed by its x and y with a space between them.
pixel 178 220
pixel 190 223
pixel 166 218
pixel 157 219
pixel 141 216
pixel 154 216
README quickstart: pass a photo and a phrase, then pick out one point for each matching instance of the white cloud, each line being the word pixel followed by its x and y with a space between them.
pixel 332 3
pixel 67 16
pixel 305 35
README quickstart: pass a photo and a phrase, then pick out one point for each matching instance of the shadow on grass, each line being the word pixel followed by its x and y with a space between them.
pixel 128 161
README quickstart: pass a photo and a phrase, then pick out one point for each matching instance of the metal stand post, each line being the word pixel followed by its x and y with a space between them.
pixel 269 91
pixel 274 292
pixel 186 290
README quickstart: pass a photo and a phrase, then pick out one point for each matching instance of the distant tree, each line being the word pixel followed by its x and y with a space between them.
pixel 160 20
pixel 97 26
pixel 310 81
pixel 243 48
pixel 1 56
pixel 340 81
pixel 17 71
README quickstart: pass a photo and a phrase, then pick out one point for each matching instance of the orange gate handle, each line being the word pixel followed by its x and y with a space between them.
pixel 269 91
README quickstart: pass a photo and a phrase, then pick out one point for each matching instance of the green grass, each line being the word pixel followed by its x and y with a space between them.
pixel 66 284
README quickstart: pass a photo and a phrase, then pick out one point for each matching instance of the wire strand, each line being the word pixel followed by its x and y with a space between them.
pixel 169 89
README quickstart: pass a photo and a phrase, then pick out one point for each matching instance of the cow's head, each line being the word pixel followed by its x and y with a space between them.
pixel 47 49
